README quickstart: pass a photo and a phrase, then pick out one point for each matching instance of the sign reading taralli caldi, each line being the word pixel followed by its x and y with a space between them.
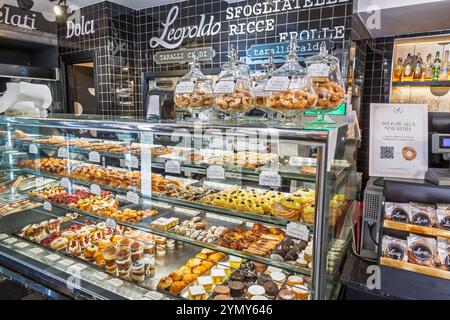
pixel 184 55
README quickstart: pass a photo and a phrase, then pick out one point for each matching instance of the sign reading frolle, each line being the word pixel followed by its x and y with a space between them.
pixel 184 55
pixel 398 141
pixel 81 28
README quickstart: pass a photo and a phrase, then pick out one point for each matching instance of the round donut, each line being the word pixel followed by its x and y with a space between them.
pixel 409 153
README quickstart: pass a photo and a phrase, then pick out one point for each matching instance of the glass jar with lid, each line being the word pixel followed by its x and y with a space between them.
pixel 325 72
pixel 233 92
pixel 289 89
pixel 194 91
pixel 260 85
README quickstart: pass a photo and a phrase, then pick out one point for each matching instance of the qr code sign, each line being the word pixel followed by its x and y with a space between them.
pixel 387 153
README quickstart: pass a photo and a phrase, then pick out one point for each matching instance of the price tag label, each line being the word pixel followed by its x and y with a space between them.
pixel 319 70
pixel 10 240
pixel 76 268
pixel 269 179
pixel 65 183
pixel 47 206
pixel 131 161
pixel 297 84
pixel 173 166
pixel 187 211
pixel 277 84
pixel 63 153
pixel 52 257
pixel 225 86
pixel 111 223
pixel 36 250
pixel 115 282
pixel 133 197
pixel 215 172
pixel 95 189
pixel 94 156
pixel 185 87
pixel 100 276
pixel 3 236
pixel 298 231
pixel 66 262
pixel 21 245
pixel 153 295
pixel 33 149
pixel 259 90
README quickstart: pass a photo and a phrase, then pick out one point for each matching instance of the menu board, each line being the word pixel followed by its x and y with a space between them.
pixel 398 141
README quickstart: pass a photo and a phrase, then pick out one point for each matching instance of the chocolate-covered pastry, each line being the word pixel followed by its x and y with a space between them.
pixel 236 288
pixel 250 276
pixel 237 276
pixel 221 290
pixel 271 288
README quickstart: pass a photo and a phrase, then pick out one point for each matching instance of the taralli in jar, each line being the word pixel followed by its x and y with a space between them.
pixel 198 99
pixel 330 95
pixel 241 100
pixel 291 100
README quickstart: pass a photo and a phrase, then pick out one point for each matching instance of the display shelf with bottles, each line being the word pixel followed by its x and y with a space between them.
pixel 420 72
pixel 162 186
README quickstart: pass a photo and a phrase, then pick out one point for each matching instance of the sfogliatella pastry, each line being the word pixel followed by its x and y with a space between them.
pixel 287 208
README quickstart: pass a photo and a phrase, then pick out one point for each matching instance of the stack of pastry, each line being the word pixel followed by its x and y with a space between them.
pixel 244 159
pixel 187 274
pixel 295 207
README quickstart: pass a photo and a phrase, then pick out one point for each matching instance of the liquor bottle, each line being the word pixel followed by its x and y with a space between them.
pixel 398 71
pixel 444 68
pixel 428 72
pixel 408 69
pixel 418 64
pixel 436 67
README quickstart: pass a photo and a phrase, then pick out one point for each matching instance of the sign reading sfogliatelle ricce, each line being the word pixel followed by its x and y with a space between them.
pixel 172 37
pixel 184 55
pixel 398 141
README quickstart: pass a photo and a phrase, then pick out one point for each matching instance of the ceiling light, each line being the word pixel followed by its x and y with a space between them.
pixel 60 9
pixel 25 4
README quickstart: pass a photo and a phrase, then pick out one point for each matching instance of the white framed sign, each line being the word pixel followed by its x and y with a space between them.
pixel 398 140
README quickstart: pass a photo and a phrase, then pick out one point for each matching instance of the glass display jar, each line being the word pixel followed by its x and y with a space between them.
pixel 260 85
pixel 194 90
pixel 233 92
pixel 325 72
pixel 289 90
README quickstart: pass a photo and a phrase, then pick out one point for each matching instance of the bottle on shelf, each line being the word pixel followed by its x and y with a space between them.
pixel 418 65
pixel 398 71
pixel 428 70
pixel 408 69
pixel 444 68
pixel 436 67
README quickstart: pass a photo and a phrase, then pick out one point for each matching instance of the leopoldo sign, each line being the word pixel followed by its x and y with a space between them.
pixel 172 37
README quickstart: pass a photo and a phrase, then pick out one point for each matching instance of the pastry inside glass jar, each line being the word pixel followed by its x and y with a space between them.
pixel 291 100
pixel 240 100
pixel 330 95
pixel 198 99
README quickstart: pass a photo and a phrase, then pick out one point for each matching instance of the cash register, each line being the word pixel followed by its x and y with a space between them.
pixel 440 145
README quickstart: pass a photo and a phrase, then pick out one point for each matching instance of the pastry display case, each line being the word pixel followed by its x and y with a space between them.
pixel 112 208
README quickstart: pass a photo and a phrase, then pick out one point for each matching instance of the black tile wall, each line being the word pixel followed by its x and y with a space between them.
pixel 376 89
pixel 131 30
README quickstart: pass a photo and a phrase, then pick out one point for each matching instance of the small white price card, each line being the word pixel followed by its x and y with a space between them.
pixel 77 267
pixel 297 84
pixel 225 86
pixel 173 166
pixel 10 240
pixel 298 231
pixel 33 149
pixel 269 179
pixel 133 197
pixel 95 189
pixel 47 206
pixel 278 84
pixel 65 183
pixel 21 245
pixel 100 276
pixel 62 152
pixel 66 262
pixel 154 295
pixel 215 172
pixel 131 161
pixel 185 87
pixel 36 250
pixel 94 156
pixel 52 257
pixel 111 223
pixel 3 236
pixel 187 211
pixel 115 282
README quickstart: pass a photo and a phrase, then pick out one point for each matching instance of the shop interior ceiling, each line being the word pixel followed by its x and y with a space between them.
pixel 392 17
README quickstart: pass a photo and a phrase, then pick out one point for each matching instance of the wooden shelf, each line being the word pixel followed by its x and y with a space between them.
pixel 428 271
pixel 434 232
pixel 421 84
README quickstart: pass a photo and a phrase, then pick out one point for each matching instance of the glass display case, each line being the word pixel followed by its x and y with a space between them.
pixel 112 208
